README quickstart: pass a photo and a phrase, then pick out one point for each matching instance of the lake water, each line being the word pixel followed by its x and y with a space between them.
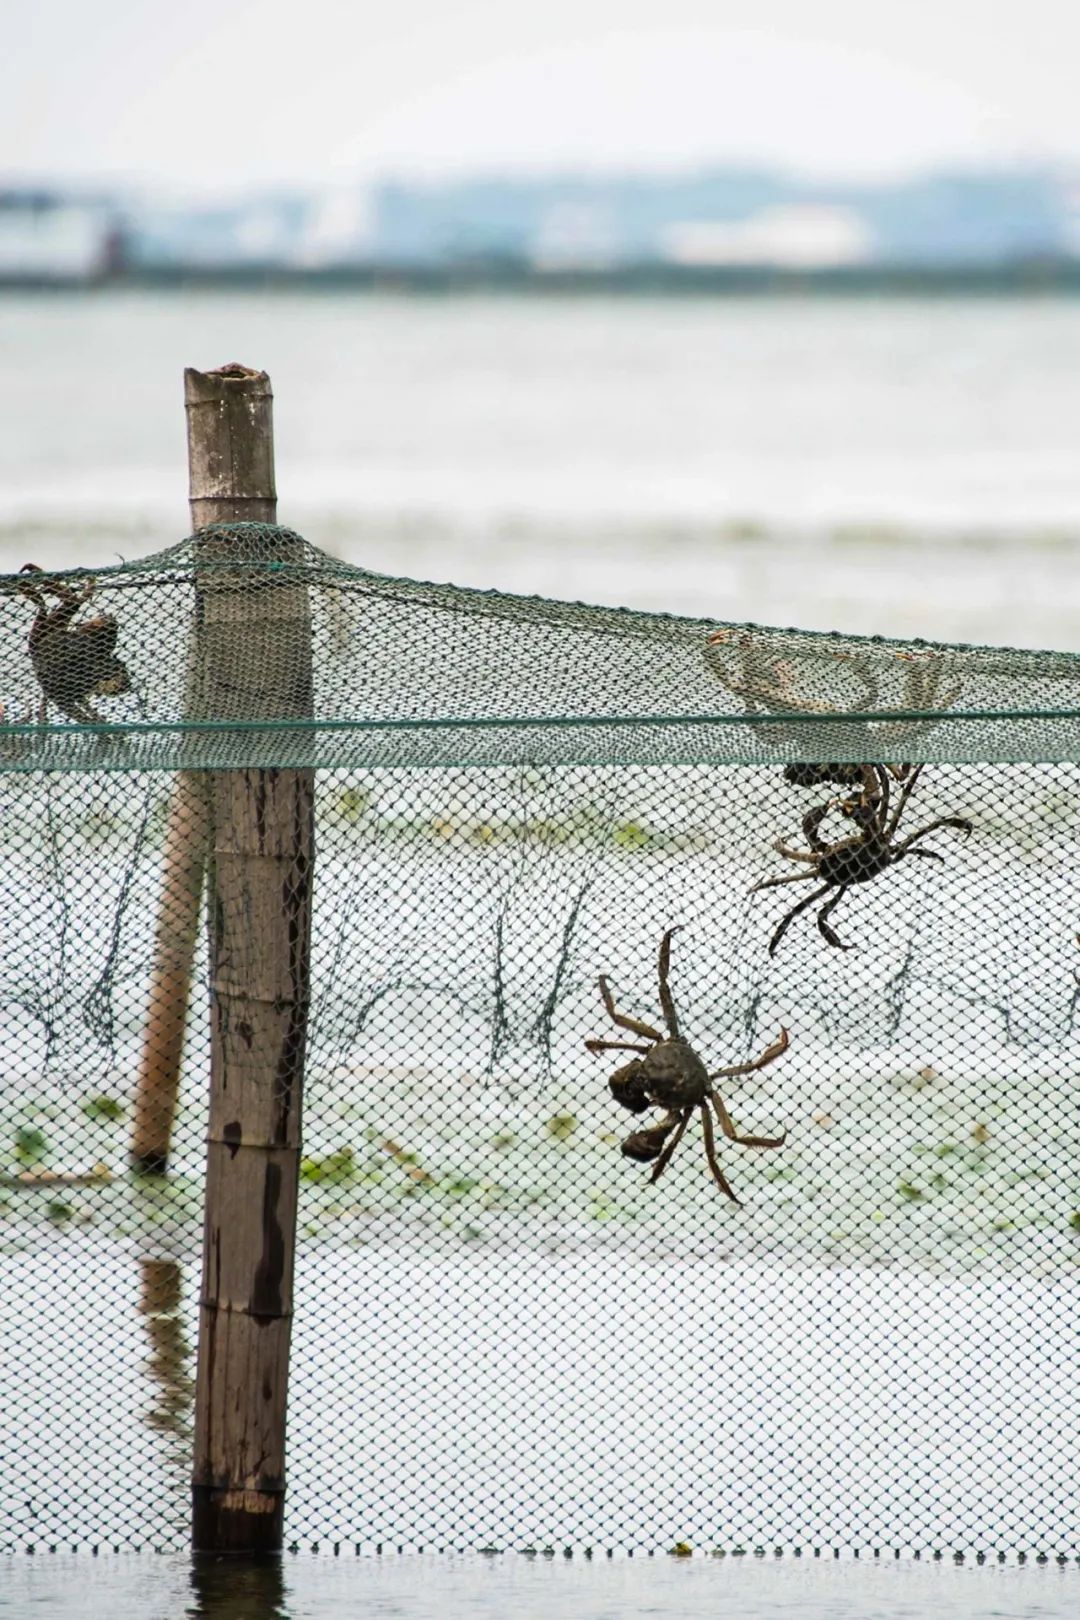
pixel 415 1588
pixel 891 466
pixel 895 467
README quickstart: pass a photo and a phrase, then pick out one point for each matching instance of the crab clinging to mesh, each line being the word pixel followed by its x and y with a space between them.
pixel 72 662
pixel 774 676
pixel 667 1073
pixel 870 850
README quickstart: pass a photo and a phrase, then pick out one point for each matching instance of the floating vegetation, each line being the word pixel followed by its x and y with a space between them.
pixel 30 1144
pixel 461 1186
pixel 351 804
pixel 333 1167
pixel 407 1161
pixel 513 1164
pixel 58 1178
pixel 630 836
pixel 562 1126
pixel 105 1109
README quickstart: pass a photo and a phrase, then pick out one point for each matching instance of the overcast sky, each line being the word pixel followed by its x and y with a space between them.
pixel 217 94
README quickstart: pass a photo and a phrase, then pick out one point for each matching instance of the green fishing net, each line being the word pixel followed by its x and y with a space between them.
pixel 506 1335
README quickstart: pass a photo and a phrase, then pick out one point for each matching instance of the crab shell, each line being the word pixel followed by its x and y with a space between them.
pixel 670 1075
pixel 856 860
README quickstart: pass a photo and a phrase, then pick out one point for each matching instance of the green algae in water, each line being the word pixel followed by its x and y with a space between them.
pixel 562 1126
pixel 30 1144
pixel 104 1109
pixel 333 1167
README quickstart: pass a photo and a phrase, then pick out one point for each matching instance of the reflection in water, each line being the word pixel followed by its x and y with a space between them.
pixel 236 1588
pixel 233 1588
pixel 160 1300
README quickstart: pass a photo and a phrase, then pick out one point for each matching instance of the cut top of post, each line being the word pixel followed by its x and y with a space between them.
pixel 230 445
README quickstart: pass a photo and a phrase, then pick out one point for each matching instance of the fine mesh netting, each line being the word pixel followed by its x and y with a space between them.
pixel 505 1334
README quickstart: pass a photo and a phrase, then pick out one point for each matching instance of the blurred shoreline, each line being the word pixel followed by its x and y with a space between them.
pixel 489 275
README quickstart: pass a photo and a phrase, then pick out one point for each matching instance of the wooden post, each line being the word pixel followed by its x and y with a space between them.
pixel 184 862
pixel 230 477
pixel 253 661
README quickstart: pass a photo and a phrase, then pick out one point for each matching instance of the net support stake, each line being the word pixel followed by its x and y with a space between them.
pixel 252 662
pixel 230 476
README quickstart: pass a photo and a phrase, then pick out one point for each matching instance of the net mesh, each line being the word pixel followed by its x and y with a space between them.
pixel 506 1334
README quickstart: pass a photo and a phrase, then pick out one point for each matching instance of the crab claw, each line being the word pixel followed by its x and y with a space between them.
pixel 627 1089
pixel 648 1144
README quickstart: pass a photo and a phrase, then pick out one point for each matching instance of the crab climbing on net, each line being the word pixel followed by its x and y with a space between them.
pixel 772 674
pixel 871 849
pixel 72 662
pixel 667 1073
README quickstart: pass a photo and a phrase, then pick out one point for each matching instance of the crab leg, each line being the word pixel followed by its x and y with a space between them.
pixel 618 1046
pixel 869 810
pixel 776 883
pixel 666 1000
pixel 794 912
pixel 727 1125
pixel 905 794
pixel 770 1054
pixel 795 854
pixel 710 1153
pixel 812 821
pixel 634 1025
pixel 665 1158
pixel 880 777
pixel 868 678
pixel 828 933
pixel 959 822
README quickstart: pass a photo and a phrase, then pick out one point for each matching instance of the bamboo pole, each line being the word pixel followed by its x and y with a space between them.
pixel 253 662
pixel 230 476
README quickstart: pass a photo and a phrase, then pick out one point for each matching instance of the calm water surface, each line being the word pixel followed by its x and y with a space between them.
pixel 890 466
pixel 897 467
pixel 459 1588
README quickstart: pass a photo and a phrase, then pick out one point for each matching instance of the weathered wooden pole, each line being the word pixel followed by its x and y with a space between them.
pixel 230 477
pixel 253 663
pixel 184 862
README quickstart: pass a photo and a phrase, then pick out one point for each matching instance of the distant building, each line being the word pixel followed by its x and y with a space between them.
pixel 47 238
pixel 573 235
pixel 339 229
pixel 972 218
pixel 174 234
pixel 718 217
pixel 797 236
pixel 293 229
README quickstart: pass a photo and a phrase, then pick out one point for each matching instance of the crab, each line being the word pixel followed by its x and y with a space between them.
pixel 667 1073
pixel 772 680
pixel 872 849
pixel 72 662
